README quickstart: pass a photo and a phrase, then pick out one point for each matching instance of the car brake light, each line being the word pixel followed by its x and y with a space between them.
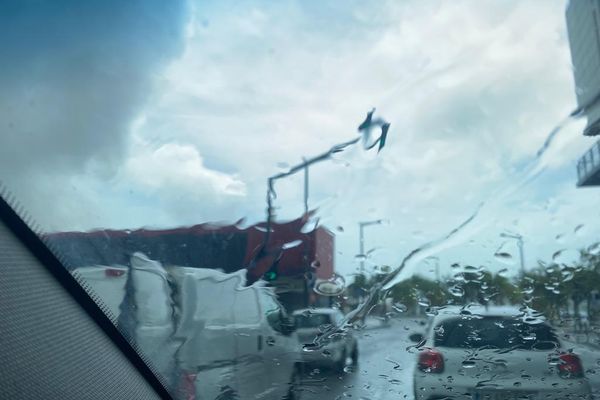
pixel 188 386
pixel 431 361
pixel 113 272
pixel 570 366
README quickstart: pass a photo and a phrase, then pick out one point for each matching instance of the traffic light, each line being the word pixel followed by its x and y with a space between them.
pixel 270 275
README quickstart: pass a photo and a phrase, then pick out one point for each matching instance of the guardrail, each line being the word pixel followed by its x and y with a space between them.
pixel 588 164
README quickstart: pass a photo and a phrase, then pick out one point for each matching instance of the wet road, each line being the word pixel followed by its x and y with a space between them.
pixel 385 367
pixel 384 370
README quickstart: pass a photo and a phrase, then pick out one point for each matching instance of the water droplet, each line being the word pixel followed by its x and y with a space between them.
pixel 578 229
pixel 283 165
pixel 424 302
pixel 503 272
pixel 553 360
pixel 431 311
pixel 399 307
pixel 270 341
pixel 566 256
pixel 415 347
pixel 333 286
pixel 517 384
pixel 557 255
pixel 349 369
pixel 311 347
pixel 468 364
pixel 340 228
pixel 315 264
pixel 292 244
pixel 567 275
pixel 594 249
pixel 457 291
pixel 326 353
pixel 527 290
pixel 360 257
pixel 386 269
pixel 530 336
pixel 504 257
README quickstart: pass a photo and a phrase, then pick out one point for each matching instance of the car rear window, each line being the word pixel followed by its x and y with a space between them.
pixel 494 332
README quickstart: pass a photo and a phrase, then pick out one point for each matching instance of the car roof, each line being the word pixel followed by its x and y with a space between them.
pixel 450 312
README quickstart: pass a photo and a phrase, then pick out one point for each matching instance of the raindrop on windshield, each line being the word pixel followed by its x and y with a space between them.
pixel 468 364
pixel 283 165
pixel 594 249
pixel 457 291
pixel 292 244
pixel 503 272
pixel 349 369
pixel 431 311
pixel 504 257
pixel 333 286
pixel 423 301
pixel 556 255
pixel 399 307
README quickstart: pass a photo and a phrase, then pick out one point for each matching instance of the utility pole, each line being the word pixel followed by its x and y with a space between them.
pixel 361 241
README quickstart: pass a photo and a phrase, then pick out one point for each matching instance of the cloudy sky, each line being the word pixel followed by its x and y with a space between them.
pixel 159 114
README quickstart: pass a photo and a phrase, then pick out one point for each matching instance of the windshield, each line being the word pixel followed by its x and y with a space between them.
pixel 218 175
pixel 494 333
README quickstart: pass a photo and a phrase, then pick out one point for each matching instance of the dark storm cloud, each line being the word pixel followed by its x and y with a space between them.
pixel 74 74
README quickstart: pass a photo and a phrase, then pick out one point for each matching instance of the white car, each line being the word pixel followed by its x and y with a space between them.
pixel 204 331
pixel 335 351
pixel 495 353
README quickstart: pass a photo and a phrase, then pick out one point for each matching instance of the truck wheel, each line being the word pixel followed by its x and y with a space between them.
pixel 295 386
pixel 354 355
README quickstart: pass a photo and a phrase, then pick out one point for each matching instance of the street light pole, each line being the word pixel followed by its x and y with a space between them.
pixel 365 130
pixel 361 241
pixel 520 244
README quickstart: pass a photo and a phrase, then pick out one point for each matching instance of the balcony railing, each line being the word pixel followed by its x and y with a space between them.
pixel 588 167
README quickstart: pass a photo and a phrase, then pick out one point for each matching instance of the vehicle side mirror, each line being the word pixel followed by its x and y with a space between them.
pixel 281 323
pixel 287 326
pixel 415 337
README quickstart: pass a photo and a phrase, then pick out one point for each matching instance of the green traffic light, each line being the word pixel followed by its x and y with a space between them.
pixel 270 275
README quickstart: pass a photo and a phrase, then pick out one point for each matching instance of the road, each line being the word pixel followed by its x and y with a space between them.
pixel 385 367
pixel 384 370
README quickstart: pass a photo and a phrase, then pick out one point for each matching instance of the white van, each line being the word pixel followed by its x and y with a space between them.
pixel 203 330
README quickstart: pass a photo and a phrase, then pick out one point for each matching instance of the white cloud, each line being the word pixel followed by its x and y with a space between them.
pixel 471 88
pixel 177 167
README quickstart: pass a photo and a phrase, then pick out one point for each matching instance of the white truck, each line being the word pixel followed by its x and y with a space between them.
pixel 206 333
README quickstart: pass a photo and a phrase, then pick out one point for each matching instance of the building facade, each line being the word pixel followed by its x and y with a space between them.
pixel 583 26
pixel 295 259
